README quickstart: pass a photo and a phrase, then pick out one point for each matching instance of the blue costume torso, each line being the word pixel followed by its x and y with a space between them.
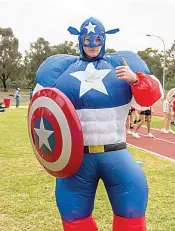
pixel 102 101
pixel 114 92
pixel 57 72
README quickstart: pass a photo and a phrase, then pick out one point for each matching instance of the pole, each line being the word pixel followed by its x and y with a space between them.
pixel 164 60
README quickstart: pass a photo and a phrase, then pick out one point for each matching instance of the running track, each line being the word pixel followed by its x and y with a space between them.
pixel 162 145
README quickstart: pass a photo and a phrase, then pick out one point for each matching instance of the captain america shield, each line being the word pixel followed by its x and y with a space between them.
pixel 55 132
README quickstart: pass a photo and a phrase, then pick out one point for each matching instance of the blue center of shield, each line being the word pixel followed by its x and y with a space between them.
pixel 44 135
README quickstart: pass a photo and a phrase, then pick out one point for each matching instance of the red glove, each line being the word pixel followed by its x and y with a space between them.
pixel 147 91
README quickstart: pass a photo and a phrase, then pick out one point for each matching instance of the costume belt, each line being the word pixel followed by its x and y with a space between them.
pixel 104 148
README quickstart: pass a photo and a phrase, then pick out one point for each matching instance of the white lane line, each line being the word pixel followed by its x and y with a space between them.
pixel 159 139
pixel 154 153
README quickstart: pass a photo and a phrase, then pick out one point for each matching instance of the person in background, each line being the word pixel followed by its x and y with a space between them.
pixel 132 115
pixel 144 116
pixel 2 108
pixel 168 114
pixel 17 96
pixel 137 120
pixel 128 123
pixel 173 120
pixel 135 117
pixel 31 93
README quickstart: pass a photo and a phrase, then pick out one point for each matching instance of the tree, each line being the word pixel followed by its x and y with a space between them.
pixel 65 48
pixel 154 61
pixel 110 50
pixel 170 73
pixel 38 52
pixel 10 57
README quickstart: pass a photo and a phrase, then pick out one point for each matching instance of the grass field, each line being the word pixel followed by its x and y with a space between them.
pixel 156 122
pixel 21 104
pixel 27 191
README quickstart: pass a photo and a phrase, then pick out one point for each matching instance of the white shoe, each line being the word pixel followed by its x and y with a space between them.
pixel 171 131
pixel 150 135
pixel 164 131
pixel 136 135
pixel 129 132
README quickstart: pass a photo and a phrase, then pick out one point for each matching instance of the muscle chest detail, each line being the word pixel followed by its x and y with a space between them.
pixel 93 85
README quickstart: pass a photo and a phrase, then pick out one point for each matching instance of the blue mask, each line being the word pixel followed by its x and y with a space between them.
pixel 92 34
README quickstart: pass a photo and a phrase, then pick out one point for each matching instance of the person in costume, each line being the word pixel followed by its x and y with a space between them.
pixel 102 89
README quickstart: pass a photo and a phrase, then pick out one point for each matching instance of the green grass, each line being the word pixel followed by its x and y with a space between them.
pixel 156 122
pixel 21 104
pixel 27 191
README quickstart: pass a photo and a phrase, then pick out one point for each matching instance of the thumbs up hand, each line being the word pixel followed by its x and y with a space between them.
pixel 125 73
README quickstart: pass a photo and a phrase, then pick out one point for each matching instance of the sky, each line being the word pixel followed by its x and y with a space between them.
pixel 31 19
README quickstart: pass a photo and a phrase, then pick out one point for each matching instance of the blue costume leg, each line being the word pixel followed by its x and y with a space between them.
pixel 127 189
pixel 75 196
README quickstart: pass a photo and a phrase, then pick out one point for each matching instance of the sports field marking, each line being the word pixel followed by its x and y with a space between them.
pixel 154 153
pixel 159 139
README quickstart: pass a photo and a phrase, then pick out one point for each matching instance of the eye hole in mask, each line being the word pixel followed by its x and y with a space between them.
pixel 97 40
pixel 87 41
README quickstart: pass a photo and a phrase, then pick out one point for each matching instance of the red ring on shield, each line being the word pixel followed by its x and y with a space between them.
pixel 55 106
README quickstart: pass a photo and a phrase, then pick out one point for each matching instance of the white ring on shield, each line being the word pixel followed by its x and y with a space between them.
pixel 59 164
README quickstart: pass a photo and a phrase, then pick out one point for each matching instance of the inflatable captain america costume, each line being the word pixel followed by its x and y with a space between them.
pixel 102 102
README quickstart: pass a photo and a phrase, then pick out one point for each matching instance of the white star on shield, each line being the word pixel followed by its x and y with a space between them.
pixel 43 135
pixel 90 27
pixel 91 78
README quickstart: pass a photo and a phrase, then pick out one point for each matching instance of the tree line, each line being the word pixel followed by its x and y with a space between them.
pixel 19 70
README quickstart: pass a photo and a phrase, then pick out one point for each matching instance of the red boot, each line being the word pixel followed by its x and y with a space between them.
pixel 129 224
pixel 86 224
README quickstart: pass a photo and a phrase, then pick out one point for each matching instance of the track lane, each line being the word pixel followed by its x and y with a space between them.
pixel 163 144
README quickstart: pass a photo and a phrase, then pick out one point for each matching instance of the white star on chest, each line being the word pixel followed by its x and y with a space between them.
pixel 91 78
pixel 90 27
pixel 43 135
